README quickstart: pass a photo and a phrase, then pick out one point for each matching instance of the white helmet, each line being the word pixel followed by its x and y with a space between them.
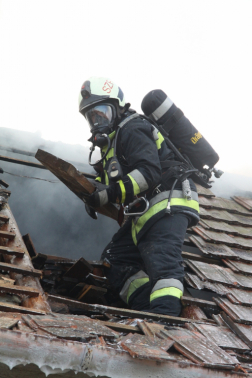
pixel 99 89
pixel 101 102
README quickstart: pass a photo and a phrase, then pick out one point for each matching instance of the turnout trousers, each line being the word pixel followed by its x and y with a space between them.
pixel 149 276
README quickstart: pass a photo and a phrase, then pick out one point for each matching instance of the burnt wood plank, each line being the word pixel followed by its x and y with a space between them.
pixel 5 193
pixel 91 293
pixel 7 235
pixel 15 289
pixel 4 218
pixel 7 307
pixel 22 162
pixel 12 251
pixel 29 245
pixel 95 280
pixel 39 261
pixel 25 264
pixel 4 183
pixel 7 280
pixel 29 153
pixel 119 311
pixel 79 270
pixel 60 260
pixel 2 201
pixel 74 180
pixel 14 268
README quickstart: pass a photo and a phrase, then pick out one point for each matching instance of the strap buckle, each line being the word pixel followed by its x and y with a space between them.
pixel 134 203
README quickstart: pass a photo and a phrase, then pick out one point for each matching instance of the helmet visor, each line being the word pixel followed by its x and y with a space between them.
pixel 99 117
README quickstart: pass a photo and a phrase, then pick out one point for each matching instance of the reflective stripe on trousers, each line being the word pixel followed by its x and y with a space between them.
pixel 132 284
pixel 170 286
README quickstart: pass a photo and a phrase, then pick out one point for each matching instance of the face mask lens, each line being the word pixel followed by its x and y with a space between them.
pixel 99 117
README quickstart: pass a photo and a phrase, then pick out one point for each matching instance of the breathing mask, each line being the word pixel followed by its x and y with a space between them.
pixel 101 118
pixel 101 121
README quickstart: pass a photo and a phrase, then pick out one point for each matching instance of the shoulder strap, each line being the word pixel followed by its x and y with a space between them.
pixel 126 120
pixel 120 126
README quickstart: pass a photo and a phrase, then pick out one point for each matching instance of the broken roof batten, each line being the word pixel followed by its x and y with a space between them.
pixel 59 343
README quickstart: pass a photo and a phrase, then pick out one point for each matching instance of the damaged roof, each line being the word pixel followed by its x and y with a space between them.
pixel 55 315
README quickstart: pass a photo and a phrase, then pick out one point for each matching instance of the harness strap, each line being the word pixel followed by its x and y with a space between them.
pixel 120 126
pixel 126 120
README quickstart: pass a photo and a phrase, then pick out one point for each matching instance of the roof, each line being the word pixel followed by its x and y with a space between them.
pixel 72 329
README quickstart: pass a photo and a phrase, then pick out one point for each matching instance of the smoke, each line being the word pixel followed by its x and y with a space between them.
pixel 54 216
pixel 230 185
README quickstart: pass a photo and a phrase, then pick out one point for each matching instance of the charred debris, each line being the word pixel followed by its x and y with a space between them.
pixel 51 302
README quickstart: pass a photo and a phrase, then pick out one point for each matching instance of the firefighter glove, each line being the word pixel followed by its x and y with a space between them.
pixel 100 198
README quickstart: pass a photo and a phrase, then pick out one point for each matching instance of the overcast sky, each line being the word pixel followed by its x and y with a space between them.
pixel 197 51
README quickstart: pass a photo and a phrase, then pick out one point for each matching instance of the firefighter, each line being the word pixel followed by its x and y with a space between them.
pixel 145 254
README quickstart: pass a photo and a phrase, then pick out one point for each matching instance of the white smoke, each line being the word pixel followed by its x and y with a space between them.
pixel 54 216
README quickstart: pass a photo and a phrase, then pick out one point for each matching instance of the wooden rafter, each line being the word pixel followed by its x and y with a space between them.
pixel 74 180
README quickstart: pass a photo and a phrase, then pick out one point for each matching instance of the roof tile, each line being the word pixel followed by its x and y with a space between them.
pixel 220 237
pixel 245 202
pixel 227 228
pixel 223 204
pixel 238 266
pixel 223 215
pixel 204 191
pixel 141 346
pixel 236 296
pixel 221 335
pixel 238 313
pixel 218 274
pixel 199 349
pixel 212 249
